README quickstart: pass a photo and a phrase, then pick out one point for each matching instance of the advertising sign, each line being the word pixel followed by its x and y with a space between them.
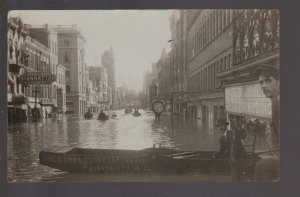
pixel 248 100
pixel 38 77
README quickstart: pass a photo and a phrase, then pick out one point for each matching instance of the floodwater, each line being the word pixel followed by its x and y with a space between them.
pixel 26 140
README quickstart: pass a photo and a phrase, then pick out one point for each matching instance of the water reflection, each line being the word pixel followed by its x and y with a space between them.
pixel 124 132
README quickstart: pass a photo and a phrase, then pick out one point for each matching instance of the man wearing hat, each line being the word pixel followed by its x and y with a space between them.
pixel 268 77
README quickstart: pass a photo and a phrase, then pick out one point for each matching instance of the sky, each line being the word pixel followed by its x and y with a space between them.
pixel 136 36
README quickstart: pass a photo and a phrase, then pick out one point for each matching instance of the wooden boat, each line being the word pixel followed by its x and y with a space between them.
pixel 103 118
pixel 136 113
pixel 147 160
pixel 88 116
pixel 127 111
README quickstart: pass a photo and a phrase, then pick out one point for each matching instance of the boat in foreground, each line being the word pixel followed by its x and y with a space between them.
pixel 146 160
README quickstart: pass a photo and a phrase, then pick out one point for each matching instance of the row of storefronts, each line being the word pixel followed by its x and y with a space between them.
pixel 35 85
pixel 45 74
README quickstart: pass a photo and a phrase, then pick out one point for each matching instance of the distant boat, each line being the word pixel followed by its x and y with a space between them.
pixel 136 113
pixel 88 115
pixel 127 111
pixel 104 117
pixel 146 160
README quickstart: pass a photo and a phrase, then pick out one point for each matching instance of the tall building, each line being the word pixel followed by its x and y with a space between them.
pixel 146 87
pixel 71 54
pixel 47 36
pixel 209 51
pixel 108 62
pixel 178 59
pixel 32 80
pixel 99 75
pixel 164 85
pixel 16 99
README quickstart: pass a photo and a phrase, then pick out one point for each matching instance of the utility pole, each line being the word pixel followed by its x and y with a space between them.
pixel 35 91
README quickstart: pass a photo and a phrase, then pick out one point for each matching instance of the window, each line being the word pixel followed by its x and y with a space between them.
pixel 68 88
pixel 221 64
pixel 229 61
pixel 66 42
pixel 52 47
pixel 67 57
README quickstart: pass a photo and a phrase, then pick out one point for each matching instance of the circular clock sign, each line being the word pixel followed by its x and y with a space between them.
pixel 158 107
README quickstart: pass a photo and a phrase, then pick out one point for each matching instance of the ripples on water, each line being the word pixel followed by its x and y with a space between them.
pixel 25 140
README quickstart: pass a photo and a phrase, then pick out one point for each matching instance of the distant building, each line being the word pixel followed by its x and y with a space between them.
pixel 61 88
pixel 164 85
pixel 47 36
pixel 120 97
pixel 99 75
pixel 178 60
pixel 108 62
pixel 92 97
pixel 146 87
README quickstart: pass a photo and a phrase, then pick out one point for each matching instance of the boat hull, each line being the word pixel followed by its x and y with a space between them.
pixel 146 161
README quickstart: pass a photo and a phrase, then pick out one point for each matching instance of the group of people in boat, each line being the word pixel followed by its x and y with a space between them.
pixel 102 116
pixel 136 112
pixel 128 110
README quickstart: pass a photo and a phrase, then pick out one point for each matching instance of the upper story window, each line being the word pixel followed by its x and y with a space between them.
pixel 66 42
pixel 55 48
pixel 52 47
pixel 67 57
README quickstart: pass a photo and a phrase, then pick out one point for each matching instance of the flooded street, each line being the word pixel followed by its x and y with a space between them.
pixel 25 140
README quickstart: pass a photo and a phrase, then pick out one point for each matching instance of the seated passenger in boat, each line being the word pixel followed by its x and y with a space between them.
pixel 102 115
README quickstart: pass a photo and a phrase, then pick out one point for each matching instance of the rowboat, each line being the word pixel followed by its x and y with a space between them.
pixel 102 118
pixel 148 160
pixel 127 111
pixel 136 113
pixel 88 116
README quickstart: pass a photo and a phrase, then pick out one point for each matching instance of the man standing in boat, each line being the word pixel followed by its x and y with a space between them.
pixel 268 78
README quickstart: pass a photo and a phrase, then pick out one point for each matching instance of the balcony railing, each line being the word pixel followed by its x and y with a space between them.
pixel 255 32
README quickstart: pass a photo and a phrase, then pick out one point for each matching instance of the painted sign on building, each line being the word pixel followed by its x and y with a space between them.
pixel 38 77
pixel 248 100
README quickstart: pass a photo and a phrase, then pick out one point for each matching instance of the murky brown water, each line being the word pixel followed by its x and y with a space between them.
pixel 125 132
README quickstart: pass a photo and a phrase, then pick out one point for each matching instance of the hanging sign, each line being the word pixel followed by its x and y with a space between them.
pixel 38 77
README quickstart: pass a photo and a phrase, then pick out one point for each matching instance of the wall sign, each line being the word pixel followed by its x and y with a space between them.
pixel 38 77
pixel 247 99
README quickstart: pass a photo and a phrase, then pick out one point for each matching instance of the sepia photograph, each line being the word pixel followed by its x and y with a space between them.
pixel 174 95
